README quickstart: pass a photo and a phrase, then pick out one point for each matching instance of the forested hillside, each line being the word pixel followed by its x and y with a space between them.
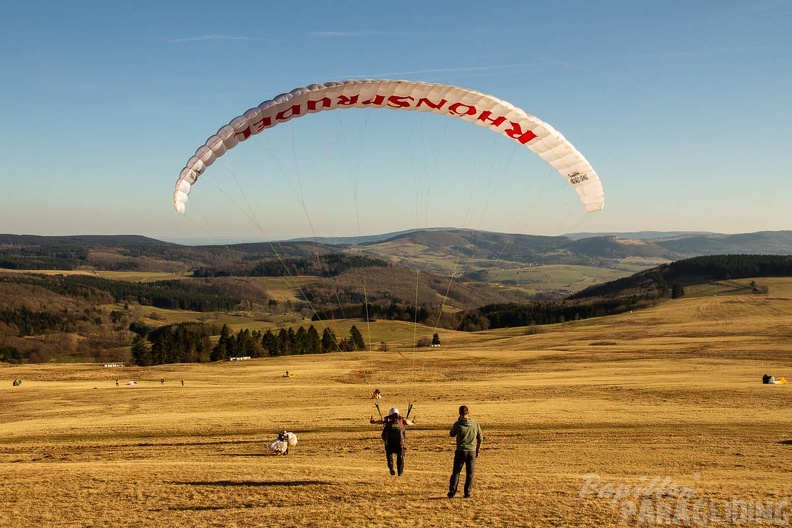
pixel 44 316
pixel 695 270
pixel 631 293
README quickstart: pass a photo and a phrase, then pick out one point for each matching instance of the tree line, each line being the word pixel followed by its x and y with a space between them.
pixel 28 323
pixel 696 270
pixel 167 294
pixel 550 312
pixel 42 257
pixel 329 265
pixel 725 267
pixel 190 343
pixel 630 293
pixel 373 311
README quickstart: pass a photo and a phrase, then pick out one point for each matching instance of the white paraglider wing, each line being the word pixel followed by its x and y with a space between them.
pixel 278 446
pixel 475 107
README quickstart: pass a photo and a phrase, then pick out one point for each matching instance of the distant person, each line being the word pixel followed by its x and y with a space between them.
pixel 772 380
pixel 162 381
pixel 116 383
pixel 280 445
pixel 468 443
pixel 393 435
pixel 182 383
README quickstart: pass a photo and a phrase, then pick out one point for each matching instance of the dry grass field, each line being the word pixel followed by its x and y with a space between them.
pixel 652 417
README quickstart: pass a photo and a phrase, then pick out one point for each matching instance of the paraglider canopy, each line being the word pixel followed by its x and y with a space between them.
pixel 469 105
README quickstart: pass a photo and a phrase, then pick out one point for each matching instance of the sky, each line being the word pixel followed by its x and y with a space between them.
pixel 682 107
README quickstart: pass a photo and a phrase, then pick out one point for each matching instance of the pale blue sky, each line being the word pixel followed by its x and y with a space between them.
pixel 682 107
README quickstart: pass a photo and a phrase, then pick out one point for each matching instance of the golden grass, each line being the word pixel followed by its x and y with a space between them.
pixel 674 391
pixel 557 276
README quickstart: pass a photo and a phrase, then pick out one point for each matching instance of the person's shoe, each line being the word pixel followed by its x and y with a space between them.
pixel 400 472
pixel 392 471
pixel 451 494
pixel 467 495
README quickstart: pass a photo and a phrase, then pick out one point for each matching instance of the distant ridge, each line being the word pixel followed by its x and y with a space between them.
pixel 366 239
pixel 441 251
pixel 66 240
pixel 676 244
pixel 639 235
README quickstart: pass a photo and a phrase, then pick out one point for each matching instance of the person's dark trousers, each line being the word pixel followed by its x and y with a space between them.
pixel 399 460
pixel 467 459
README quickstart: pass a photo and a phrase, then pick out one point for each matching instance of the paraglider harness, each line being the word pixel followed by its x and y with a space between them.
pixel 394 432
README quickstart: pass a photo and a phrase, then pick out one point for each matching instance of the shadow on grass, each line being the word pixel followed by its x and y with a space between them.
pixel 179 444
pixel 198 508
pixel 255 483
pixel 785 442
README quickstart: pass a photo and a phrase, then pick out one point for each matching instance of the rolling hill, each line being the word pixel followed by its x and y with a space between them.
pixel 438 250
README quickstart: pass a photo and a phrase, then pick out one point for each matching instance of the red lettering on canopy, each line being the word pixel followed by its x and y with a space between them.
pixel 495 121
pixel 431 104
pixel 324 102
pixel 377 100
pixel 462 109
pixel 394 101
pixel 516 132
pixel 400 101
pixel 288 113
pixel 261 124
pixel 242 135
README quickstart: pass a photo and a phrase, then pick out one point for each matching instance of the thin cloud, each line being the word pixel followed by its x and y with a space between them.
pixel 344 34
pixel 354 34
pixel 210 37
